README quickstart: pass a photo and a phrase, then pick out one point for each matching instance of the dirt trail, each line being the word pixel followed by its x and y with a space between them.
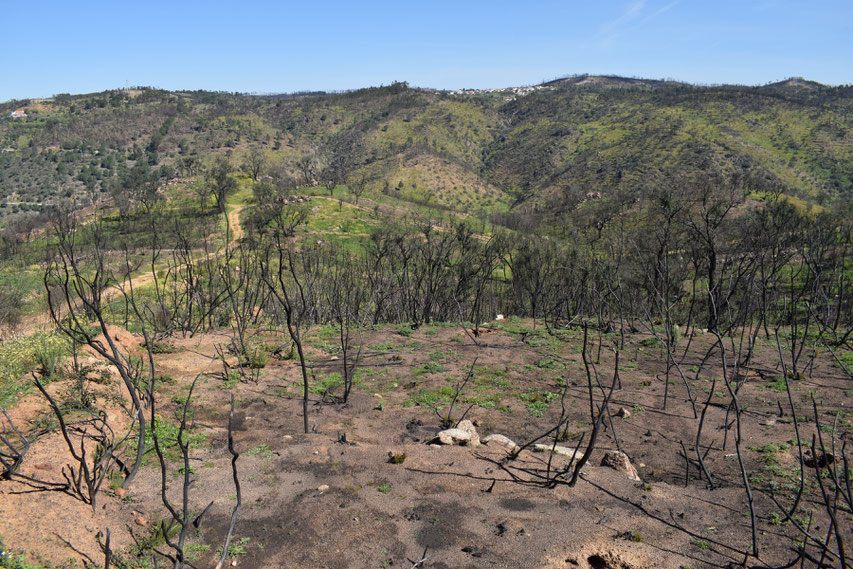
pixel 42 320
pixel 236 229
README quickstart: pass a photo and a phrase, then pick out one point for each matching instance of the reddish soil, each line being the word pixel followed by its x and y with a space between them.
pixel 467 507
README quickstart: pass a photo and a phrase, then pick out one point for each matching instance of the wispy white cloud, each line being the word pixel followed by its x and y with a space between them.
pixel 633 17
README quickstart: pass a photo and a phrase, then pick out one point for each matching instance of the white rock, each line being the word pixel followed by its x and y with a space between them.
pixel 464 434
pixel 565 451
pixel 501 440
pixel 469 427
pixel 454 437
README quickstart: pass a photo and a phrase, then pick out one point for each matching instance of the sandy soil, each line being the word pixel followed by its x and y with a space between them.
pixel 310 500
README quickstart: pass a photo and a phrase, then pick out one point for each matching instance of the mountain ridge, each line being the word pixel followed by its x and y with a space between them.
pixel 487 150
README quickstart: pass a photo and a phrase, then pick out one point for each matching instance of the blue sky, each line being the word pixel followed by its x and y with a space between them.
pixel 262 47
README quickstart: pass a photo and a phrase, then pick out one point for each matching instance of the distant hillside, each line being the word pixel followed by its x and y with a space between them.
pixel 472 151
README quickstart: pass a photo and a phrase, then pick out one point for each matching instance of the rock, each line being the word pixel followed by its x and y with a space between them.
pixel 323 488
pixel 499 317
pixel 565 451
pixel 769 422
pixel 120 492
pixel 468 427
pixel 618 460
pixel 464 435
pixel 454 437
pixel 624 413
pixel 501 440
pixel 140 521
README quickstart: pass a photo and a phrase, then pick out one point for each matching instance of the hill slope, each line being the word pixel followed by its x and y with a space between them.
pixel 468 151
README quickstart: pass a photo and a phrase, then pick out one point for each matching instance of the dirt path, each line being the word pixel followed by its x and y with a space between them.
pixel 234 226
pixel 42 321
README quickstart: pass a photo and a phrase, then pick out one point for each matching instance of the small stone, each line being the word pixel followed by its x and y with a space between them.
pixel 323 488
pixel 565 451
pixel 379 395
pixel 618 460
pixel 140 521
pixel 464 434
pixel 769 422
pixel 120 492
pixel 287 437
pixel 454 437
pixel 234 563
pixel 624 413
pixel 468 427
pixel 501 440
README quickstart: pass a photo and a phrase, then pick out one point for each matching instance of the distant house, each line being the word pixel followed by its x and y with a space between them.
pixel 19 114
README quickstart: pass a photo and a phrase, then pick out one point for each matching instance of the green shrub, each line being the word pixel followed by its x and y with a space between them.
pixel 256 357
pixel 19 356
pixel 326 384
pixel 432 367
pixel 48 356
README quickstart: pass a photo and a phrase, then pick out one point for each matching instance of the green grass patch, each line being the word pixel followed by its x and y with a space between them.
pixel 41 352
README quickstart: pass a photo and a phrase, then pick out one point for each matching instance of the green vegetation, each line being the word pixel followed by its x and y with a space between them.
pixel 355 233
pixel 40 352
pixel 9 560
pixel 421 149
